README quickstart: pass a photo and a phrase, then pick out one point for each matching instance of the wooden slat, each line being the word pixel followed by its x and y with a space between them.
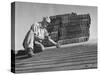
pixel 67 58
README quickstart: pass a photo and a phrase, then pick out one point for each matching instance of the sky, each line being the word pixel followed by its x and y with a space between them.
pixel 28 13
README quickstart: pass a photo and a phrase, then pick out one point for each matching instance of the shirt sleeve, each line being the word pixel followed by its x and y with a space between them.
pixel 30 39
pixel 36 28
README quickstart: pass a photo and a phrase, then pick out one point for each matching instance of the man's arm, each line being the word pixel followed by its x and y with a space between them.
pixel 46 34
pixel 52 41
pixel 49 38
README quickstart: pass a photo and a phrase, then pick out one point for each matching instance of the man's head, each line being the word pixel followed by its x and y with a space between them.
pixel 46 21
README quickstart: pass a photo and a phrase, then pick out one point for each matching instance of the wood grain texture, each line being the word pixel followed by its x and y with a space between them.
pixel 65 58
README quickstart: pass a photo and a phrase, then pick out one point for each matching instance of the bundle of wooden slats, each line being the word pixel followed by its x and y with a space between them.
pixel 69 28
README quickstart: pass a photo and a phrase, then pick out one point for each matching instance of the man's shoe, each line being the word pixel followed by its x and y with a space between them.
pixel 30 52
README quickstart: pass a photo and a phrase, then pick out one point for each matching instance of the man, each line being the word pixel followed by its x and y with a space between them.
pixel 36 34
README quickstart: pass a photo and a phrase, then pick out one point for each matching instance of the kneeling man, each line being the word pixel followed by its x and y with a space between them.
pixel 36 34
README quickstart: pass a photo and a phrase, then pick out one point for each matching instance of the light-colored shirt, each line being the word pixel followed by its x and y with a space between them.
pixel 39 31
pixel 36 31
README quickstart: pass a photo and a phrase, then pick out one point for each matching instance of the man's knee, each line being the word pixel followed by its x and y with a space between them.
pixel 40 45
pixel 38 48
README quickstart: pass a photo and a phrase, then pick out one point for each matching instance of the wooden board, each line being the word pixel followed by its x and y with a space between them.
pixel 67 58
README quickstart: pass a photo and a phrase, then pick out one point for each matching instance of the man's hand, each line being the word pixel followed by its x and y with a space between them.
pixel 57 45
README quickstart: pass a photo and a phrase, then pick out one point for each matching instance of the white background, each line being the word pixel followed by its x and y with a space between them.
pixel 5 36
